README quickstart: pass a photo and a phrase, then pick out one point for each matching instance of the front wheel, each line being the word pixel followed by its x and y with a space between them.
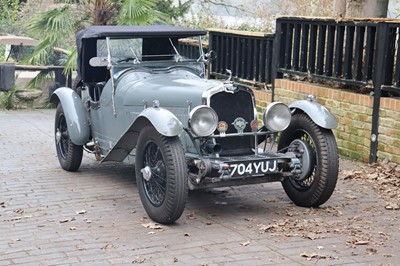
pixel 69 155
pixel 161 175
pixel 317 150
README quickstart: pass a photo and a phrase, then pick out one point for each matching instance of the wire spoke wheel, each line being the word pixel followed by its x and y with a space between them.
pixel 69 155
pixel 306 182
pixel 318 153
pixel 62 137
pixel 161 175
pixel 155 187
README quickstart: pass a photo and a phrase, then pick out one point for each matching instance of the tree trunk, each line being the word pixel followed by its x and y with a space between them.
pixel 377 8
pixel 361 8
pixel 339 8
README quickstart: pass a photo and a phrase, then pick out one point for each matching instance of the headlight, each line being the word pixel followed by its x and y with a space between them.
pixel 203 121
pixel 277 116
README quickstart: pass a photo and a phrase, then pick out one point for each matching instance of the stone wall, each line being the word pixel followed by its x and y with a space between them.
pixel 354 114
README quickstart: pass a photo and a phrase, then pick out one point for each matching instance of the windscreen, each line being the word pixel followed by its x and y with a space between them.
pixel 142 50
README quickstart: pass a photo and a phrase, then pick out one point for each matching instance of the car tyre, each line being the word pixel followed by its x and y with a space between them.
pixel 69 155
pixel 319 183
pixel 161 175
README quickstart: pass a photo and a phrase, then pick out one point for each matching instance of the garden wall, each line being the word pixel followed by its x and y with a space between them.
pixel 354 114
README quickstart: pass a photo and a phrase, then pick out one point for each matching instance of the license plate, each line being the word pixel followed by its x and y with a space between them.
pixel 253 168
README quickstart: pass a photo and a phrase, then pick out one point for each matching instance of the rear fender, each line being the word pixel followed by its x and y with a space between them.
pixel 317 112
pixel 75 114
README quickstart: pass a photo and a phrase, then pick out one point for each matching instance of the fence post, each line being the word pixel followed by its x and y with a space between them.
pixel 277 57
pixel 378 81
pixel 210 48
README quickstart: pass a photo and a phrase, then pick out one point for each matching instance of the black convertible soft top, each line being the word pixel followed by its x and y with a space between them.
pixel 86 40
pixel 137 31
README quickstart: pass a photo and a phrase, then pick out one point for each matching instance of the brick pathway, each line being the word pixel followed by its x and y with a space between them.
pixel 95 217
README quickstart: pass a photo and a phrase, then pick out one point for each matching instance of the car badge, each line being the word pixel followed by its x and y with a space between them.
pixel 239 124
pixel 222 127
pixel 254 125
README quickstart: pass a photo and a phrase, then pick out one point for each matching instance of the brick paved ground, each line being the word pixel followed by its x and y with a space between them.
pixel 94 216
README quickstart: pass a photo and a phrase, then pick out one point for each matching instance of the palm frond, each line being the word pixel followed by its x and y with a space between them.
pixel 71 63
pixel 40 55
pixel 39 79
pixel 54 27
pixel 140 12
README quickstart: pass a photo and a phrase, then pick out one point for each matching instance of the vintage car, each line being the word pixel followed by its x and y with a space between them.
pixel 143 97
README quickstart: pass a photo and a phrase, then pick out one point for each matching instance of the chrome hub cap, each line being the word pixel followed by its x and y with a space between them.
pixel 146 172
pixel 305 154
pixel 58 136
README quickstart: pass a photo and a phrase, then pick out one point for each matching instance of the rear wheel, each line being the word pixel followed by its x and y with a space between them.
pixel 317 150
pixel 161 175
pixel 69 155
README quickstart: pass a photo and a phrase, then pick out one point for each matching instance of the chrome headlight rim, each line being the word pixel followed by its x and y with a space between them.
pixel 207 117
pixel 277 117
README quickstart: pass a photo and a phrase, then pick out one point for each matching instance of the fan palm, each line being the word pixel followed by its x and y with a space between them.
pixel 57 27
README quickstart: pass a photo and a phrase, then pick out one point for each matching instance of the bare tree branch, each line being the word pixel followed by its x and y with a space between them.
pixel 225 5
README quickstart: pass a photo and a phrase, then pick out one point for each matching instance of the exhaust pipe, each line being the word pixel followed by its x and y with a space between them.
pixel 212 147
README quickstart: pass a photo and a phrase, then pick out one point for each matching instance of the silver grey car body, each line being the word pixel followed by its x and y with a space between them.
pixel 142 97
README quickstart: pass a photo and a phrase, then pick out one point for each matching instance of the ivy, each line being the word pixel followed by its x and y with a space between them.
pixel 9 10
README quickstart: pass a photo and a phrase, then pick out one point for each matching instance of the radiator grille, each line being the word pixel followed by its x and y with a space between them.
pixel 229 107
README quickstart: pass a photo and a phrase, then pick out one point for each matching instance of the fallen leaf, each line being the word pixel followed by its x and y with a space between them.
pixel 265 228
pixel 19 210
pixel 282 223
pixel 108 246
pixel 310 256
pixel 191 216
pixel 67 220
pixel 392 206
pixel 371 251
pixel 138 260
pixel 246 243
pixel 152 226
pixel 361 242
pixel 373 176
pixel 81 212
pixel 312 236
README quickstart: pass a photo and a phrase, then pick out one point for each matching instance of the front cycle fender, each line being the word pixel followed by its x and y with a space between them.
pixel 75 114
pixel 319 114
pixel 165 122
